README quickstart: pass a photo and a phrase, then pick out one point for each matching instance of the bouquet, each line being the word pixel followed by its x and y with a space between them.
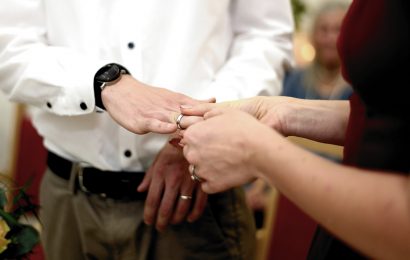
pixel 16 239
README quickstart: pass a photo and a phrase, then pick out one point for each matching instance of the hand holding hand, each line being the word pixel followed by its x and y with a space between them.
pixel 270 111
pixel 225 149
pixel 166 180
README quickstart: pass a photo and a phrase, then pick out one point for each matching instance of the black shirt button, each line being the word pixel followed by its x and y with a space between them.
pixel 49 105
pixel 83 106
pixel 127 153
pixel 131 45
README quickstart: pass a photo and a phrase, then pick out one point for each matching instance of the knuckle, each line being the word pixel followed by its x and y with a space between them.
pixel 174 181
pixel 151 202
pixel 135 127
pixel 166 211
pixel 149 124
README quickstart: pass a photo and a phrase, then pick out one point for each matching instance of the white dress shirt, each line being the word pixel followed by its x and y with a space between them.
pixel 50 51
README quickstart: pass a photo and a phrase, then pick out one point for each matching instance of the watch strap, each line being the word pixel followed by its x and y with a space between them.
pixel 107 74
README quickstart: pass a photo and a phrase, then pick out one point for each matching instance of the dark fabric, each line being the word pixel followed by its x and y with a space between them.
pixel 292 232
pixel 115 185
pixel 373 46
pixel 376 141
pixel 100 228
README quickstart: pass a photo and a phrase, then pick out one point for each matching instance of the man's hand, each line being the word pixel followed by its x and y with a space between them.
pixel 166 180
pixel 141 108
pixel 256 194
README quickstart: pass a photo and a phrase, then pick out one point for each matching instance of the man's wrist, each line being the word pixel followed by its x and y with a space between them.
pixel 107 75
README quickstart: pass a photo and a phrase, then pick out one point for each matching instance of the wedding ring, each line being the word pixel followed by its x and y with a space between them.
pixel 179 118
pixel 194 177
pixel 185 197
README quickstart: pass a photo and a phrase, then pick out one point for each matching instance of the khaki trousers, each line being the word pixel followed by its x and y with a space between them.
pixel 81 226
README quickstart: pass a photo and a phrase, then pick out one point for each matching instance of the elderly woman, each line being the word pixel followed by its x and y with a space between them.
pixel 366 201
pixel 322 78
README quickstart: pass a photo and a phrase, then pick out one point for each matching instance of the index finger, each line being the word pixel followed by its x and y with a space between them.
pixel 198 110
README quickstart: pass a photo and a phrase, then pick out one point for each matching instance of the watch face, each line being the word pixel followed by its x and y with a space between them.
pixel 108 73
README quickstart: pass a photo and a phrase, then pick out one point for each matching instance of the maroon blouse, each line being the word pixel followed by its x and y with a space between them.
pixel 374 49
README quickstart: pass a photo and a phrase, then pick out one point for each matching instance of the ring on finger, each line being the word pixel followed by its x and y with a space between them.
pixel 178 121
pixel 194 177
pixel 185 197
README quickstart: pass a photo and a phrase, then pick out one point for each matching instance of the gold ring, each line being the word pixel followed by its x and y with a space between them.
pixel 185 197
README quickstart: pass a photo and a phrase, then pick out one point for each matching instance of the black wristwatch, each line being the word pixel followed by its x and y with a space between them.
pixel 106 76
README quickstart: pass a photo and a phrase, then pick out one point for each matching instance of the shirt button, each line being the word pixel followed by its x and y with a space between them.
pixel 49 105
pixel 83 106
pixel 131 45
pixel 127 153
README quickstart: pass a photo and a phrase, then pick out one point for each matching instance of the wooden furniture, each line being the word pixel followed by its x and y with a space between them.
pixel 264 234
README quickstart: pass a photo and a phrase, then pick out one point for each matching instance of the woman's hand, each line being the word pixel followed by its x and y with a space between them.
pixel 225 149
pixel 319 120
pixel 268 110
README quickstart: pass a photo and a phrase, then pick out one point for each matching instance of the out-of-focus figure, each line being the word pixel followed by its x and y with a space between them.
pixel 322 78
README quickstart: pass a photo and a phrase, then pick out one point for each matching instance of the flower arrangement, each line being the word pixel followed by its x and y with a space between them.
pixel 16 239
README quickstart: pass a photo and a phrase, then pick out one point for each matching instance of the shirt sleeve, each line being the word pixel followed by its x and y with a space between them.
pixel 51 77
pixel 261 51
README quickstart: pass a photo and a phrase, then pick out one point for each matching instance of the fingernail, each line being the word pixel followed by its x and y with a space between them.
pixel 186 106
pixel 160 226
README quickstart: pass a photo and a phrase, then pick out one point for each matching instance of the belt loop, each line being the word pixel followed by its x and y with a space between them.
pixel 81 180
pixel 72 185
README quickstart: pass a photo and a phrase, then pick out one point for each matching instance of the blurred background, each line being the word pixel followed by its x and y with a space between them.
pixel 288 232
pixel 10 112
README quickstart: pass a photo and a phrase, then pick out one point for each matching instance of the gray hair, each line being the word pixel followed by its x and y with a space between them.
pixel 324 8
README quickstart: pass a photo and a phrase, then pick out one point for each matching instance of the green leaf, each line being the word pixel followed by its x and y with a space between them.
pixel 23 240
pixel 11 221
pixel 3 198
pixel 298 8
